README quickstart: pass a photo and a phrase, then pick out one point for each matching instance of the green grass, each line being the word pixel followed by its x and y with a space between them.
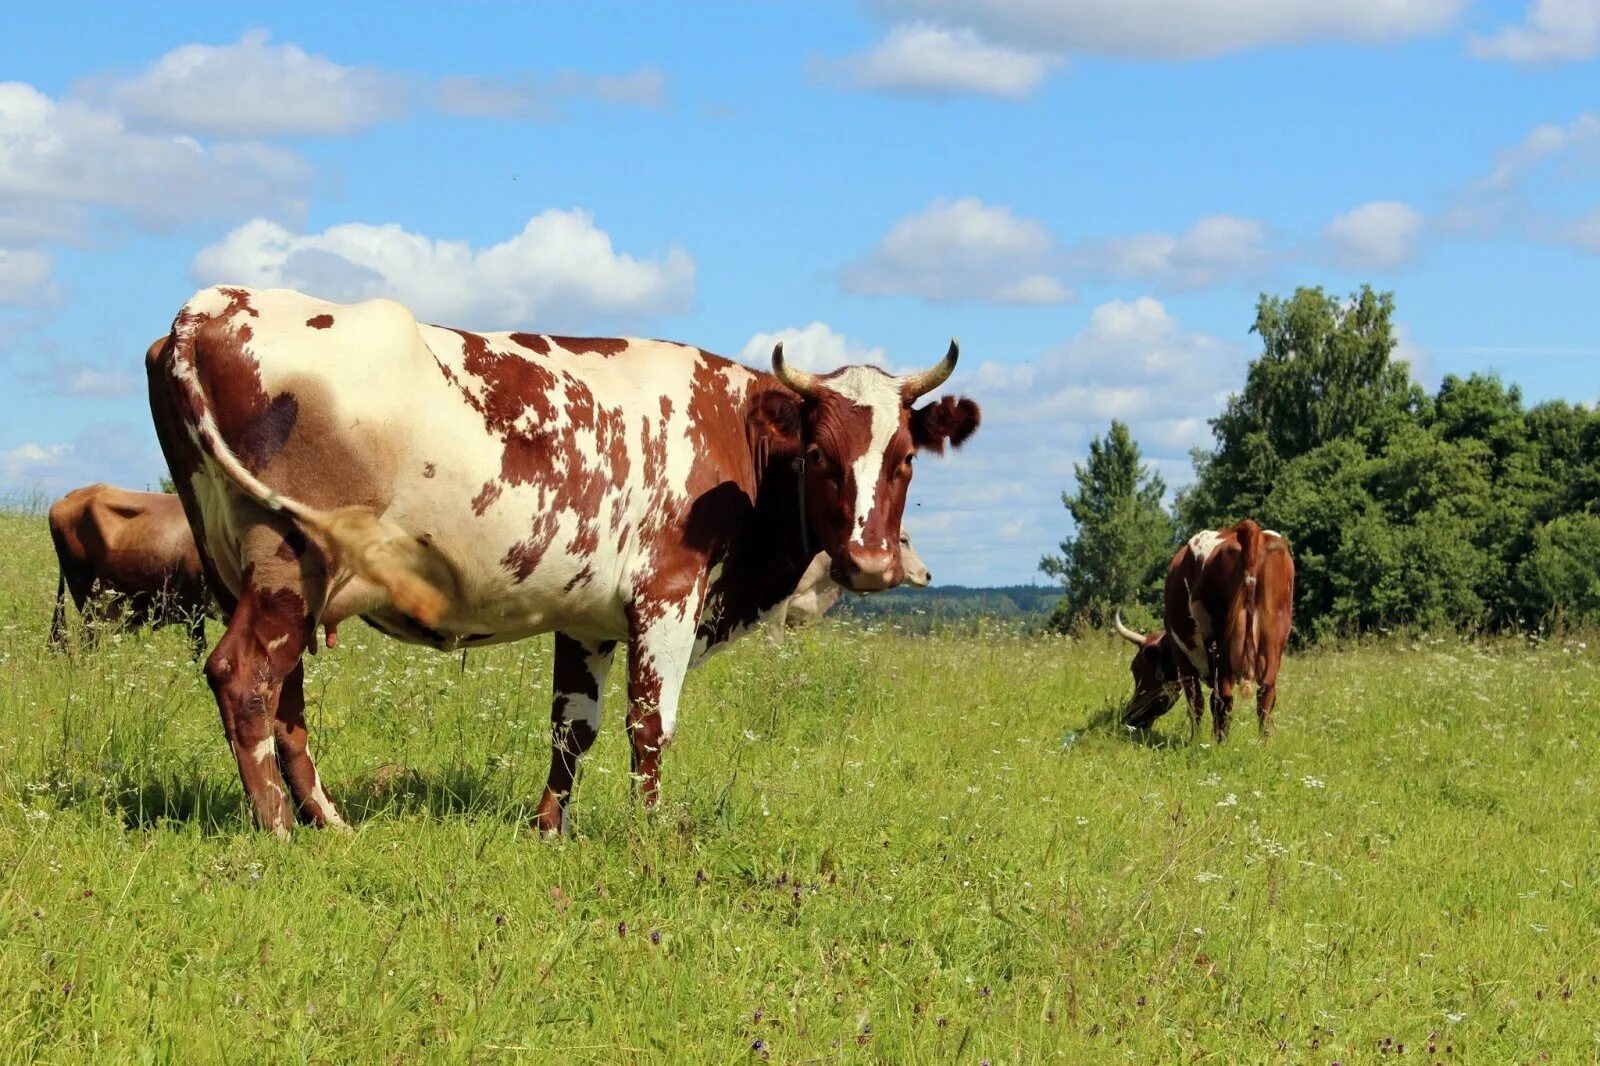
pixel 871 848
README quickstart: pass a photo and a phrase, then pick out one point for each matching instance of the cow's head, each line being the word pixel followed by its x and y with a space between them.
pixel 1155 677
pixel 859 434
pixel 916 572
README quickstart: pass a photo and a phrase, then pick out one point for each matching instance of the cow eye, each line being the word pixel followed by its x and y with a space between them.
pixel 905 464
pixel 815 457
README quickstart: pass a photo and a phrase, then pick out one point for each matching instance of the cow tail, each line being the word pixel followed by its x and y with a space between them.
pixel 1250 538
pixel 417 576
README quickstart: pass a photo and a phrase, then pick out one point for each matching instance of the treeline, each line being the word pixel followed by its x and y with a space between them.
pixel 1465 509
pixel 952 606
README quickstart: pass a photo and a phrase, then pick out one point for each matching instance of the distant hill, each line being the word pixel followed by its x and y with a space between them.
pixel 952 605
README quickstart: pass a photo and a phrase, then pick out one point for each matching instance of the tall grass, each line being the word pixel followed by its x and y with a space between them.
pixel 871 848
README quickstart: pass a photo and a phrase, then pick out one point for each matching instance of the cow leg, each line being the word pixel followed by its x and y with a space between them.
pixel 251 664
pixel 1266 699
pixel 580 681
pixel 1221 706
pixel 311 803
pixel 1267 681
pixel 660 647
pixel 58 620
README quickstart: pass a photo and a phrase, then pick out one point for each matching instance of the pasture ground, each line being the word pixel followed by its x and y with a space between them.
pixel 872 849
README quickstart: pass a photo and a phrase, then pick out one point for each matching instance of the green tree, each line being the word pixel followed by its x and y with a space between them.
pixel 1559 579
pixel 1326 372
pixel 1123 538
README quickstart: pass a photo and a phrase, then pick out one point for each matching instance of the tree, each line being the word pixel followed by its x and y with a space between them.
pixel 1326 372
pixel 1123 539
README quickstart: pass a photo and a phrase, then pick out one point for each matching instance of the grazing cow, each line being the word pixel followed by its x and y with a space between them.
pixel 457 489
pixel 1229 604
pixel 817 592
pixel 128 555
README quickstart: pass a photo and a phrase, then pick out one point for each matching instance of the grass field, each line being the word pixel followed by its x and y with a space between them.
pixel 871 848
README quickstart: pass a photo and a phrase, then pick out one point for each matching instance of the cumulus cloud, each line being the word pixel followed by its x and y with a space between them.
pixel 922 58
pixel 114 452
pixel 1381 235
pixel 1158 29
pixel 531 97
pixel 817 348
pixel 1554 31
pixel 985 514
pixel 559 273
pixel 1213 250
pixel 250 89
pixel 968 251
pixel 962 250
pixel 65 164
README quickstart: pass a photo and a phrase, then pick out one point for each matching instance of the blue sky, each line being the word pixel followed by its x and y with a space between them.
pixel 1090 195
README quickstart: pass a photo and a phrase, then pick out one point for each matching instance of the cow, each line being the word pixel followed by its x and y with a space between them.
pixel 456 489
pixel 126 556
pixel 1228 607
pixel 817 592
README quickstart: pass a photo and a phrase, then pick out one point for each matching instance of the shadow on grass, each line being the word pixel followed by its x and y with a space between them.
pixel 1111 720
pixel 217 805
pixel 393 790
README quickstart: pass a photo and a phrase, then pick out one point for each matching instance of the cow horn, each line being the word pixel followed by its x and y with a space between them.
pixel 1129 635
pixel 925 382
pixel 798 380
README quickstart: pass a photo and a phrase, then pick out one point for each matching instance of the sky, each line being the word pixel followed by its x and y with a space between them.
pixel 1091 195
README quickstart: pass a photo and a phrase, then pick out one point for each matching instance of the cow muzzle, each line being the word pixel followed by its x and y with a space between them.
pixel 863 570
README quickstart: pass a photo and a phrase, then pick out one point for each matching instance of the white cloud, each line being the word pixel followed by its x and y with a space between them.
pixel 25 276
pixel 1213 250
pixel 921 58
pixel 961 250
pixel 559 273
pixel 986 513
pixel 1555 31
pixel 816 348
pixel 1414 355
pixel 1500 201
pixel 27 464
pixel 65 165
pixel 1160 29
pixel 1380 235
pixel 249 89
pixel 114 452
pixel 1514 165
pixel 530 97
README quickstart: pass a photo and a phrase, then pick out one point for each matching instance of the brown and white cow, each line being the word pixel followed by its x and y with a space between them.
pixel 457 489
pixel 129 557
pixel 1228 607
pixel 817 592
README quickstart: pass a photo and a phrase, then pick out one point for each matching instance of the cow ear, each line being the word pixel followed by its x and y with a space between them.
pixel 773 423
pixel 946 419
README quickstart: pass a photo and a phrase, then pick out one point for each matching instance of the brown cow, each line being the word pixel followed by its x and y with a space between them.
pixel 456 489
pixel 136 551
pixel 1229 604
